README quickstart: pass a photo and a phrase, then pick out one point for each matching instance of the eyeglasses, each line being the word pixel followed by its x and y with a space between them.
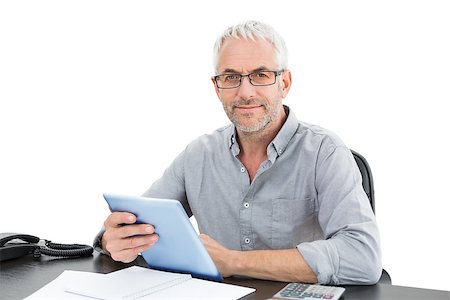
pixel 260 78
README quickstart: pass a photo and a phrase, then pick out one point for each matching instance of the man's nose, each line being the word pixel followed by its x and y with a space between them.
pixel 246 90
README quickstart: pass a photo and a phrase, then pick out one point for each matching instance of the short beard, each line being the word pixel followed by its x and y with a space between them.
pixel 272 112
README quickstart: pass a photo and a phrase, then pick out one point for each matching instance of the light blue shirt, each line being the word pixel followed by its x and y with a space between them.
pixel 308 195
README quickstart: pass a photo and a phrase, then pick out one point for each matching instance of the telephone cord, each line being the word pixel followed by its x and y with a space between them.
pixel 63 250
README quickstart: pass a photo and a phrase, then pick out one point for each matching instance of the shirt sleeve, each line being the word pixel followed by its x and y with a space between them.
pixel 98 241
pixel 172 184
pixel 350 253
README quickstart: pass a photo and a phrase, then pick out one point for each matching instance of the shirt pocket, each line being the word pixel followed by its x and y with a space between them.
pixel 293 222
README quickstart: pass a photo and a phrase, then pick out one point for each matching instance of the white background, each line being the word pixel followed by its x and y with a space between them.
pixel 100 96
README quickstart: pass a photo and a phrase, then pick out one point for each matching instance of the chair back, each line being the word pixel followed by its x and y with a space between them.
pixel 367 182
pixel 367 179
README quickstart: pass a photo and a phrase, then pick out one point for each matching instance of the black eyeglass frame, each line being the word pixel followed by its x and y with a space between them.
pixel 276 73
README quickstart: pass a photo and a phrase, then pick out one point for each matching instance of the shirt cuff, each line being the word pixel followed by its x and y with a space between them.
pixel 322 257
pixel 98 241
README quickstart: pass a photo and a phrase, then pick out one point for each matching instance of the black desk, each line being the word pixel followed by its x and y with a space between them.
pixel 21 277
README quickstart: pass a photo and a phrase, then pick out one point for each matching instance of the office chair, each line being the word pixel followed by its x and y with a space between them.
pixel 367 182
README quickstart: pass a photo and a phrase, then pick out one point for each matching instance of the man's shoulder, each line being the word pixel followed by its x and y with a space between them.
pixel 308 134
pixel 311 132
pixel 221 134
pixel 227 129
pixel 211 141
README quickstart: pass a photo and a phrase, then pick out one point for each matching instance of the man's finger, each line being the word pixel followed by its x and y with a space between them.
pixel 136 242
pixel 138 229
pixel 116 219
pixel 128 255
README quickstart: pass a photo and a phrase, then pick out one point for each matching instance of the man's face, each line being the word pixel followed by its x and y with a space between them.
pixel 251 108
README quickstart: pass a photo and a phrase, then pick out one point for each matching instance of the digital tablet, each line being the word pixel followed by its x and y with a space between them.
pixel 179 249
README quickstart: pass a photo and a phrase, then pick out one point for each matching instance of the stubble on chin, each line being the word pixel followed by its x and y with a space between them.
pixel 262 122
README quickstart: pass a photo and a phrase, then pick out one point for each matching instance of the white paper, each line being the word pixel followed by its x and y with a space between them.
pixel 127 281
pixel 197 289
pixel 55 288
pixel 130 283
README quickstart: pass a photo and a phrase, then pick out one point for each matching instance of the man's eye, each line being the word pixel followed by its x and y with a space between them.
pixel 231 77
pixel 261 75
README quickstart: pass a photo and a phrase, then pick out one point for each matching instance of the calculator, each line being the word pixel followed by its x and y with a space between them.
pixel 297 290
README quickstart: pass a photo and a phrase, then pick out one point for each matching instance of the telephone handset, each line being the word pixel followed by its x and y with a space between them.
pixel 14 245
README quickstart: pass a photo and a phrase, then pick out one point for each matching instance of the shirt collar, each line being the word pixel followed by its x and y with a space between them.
pixel 285 134
pixel 279 143
pixel 233 144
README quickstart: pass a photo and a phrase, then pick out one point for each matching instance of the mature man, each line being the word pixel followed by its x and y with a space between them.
pixel 274 198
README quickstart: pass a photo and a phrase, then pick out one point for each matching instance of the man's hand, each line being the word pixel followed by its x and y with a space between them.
pixel 222 257
pixel 120 240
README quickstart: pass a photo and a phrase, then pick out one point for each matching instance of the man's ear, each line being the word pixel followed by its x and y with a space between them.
pixel 286 80
pixel 215 87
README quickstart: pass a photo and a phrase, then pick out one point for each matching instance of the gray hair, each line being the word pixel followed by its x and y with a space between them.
pixel 252 30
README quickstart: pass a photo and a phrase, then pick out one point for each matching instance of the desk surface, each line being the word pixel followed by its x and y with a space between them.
pixel 21 277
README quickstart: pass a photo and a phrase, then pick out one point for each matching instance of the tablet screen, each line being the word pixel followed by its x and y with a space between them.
pixel 179 249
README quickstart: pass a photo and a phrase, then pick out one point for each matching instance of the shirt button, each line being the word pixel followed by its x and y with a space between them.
pixel 242 169
pixel 247 240
pixel 246 205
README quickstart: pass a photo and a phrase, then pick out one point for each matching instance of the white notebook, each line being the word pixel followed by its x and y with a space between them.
pixel 137 283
